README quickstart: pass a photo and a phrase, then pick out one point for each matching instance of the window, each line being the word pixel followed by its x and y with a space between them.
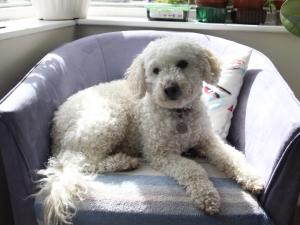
pixel 10 3
pixel 15 9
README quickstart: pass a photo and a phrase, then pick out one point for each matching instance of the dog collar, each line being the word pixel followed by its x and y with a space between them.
pixel 180 112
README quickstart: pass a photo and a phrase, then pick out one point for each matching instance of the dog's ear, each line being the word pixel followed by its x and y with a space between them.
pixel 213 71
pixel 135 77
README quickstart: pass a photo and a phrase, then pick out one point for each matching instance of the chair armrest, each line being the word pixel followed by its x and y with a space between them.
pixel 26 114
pixel 266 126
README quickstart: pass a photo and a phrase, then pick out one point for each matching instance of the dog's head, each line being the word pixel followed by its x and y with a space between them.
pixel 171 70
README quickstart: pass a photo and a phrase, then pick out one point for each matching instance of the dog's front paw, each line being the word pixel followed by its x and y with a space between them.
pixel 207 200
pixel 251 182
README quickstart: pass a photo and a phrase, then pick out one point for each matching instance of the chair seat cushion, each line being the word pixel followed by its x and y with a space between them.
pixel 147 197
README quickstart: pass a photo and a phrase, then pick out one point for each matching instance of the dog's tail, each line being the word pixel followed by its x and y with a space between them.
pixel 65 181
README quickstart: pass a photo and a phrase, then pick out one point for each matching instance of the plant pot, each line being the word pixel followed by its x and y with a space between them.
pixel 211 14
pixel 61 9
pixel 248 16
pixel 278 4
pixel 212 3
pixel 248 4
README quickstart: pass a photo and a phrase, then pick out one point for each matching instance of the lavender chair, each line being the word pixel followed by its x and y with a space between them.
pixel 265 126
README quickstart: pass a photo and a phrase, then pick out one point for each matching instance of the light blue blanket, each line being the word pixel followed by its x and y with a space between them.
pixel 147 197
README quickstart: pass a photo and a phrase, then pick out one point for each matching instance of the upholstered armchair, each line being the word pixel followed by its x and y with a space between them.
pixel 265 127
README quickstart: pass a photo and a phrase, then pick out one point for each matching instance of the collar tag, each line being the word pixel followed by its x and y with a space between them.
pixel 181 127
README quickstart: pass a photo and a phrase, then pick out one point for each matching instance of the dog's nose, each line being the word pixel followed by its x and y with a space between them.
pixel 172 91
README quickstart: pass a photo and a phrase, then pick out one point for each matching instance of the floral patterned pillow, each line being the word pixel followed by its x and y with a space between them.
pixel 221 99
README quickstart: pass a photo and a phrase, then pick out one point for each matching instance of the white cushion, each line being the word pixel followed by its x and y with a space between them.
pixel 222 98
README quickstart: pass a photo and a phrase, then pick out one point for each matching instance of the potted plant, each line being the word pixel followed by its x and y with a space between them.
pixel 278 4
pixel 273 14
pixel 274 4
pixel 248 11
pixel 212 3
pixel 211 11
pixel 248 4
pixel 61 9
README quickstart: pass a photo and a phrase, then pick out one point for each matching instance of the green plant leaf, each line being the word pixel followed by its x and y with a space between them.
pixel 290 16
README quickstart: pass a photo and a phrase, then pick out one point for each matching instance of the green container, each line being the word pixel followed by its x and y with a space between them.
pixel 167 12
pixel 211 14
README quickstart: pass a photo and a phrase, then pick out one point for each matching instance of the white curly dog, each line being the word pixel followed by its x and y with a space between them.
pixel 156 113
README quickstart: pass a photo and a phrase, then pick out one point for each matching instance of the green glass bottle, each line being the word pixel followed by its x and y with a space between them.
pixel 290 16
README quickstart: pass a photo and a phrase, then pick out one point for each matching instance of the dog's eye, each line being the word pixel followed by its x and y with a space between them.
pixel 182 64
pixel 156 70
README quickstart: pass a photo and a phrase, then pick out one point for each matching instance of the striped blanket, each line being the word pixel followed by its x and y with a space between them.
pixel 147 197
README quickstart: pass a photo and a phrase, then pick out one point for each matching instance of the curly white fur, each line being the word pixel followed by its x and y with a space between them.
pixel 64 180
pixel 105 127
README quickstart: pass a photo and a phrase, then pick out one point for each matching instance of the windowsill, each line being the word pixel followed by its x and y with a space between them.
pixel 190 25
pixel 17 28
